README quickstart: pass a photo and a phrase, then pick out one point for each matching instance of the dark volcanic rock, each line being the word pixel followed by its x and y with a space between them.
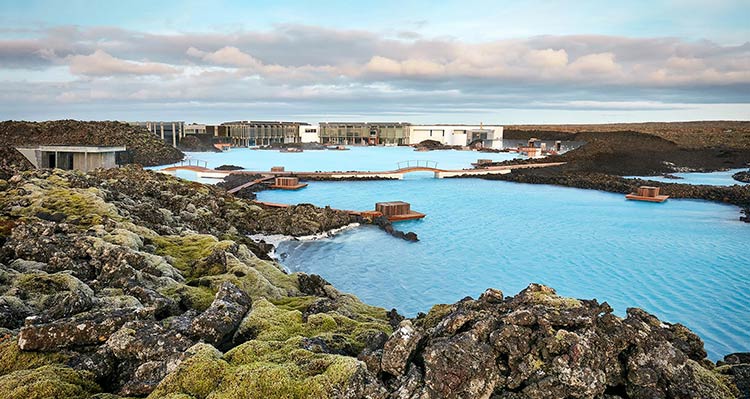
pixel 219 322
pixel 229 167
pixel 12 162
pixel 742 176
pixel 540 345
pixel 85 329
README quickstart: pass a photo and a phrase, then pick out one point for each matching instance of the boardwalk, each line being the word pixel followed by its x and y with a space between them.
pixel 389 174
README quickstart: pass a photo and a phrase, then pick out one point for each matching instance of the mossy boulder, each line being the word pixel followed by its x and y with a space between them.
pixel 12 358
pixel 52 381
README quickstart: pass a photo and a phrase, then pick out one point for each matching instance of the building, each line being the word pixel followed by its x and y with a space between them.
pixel 490 136
pixel 309 133
pixel 195 128
pixel 252 133
pixel 364 133
pixel 83 158
pixel 171 132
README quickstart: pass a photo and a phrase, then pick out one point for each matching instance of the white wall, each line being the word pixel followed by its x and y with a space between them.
pixel 309 134
pixel 453 134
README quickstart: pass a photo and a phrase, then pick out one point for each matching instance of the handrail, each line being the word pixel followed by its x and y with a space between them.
pixel 414 163
pixel 197 162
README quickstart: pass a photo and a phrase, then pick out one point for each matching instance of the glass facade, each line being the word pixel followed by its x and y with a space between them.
pixel 364 133
pixel 251 133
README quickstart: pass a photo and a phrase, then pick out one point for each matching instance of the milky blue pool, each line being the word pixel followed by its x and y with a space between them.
pixel 722 178
pixel 685 261
pixel 356 158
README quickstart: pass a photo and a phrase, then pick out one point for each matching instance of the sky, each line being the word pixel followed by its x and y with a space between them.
pixel 504 62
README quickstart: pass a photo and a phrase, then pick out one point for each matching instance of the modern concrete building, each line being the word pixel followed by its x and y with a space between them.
pixel 364 133
pixel 490 136
pixel 251 133
pixel 83 158
pixel 195 128
pixel 171 132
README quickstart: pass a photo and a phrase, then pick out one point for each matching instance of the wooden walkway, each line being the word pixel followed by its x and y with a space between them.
pixel 388 174
pixel 250 184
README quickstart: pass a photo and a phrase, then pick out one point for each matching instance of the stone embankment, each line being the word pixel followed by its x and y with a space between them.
pixel 144 147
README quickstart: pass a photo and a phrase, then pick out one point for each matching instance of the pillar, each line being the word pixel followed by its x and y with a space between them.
pixel 162 130
pixel 174 135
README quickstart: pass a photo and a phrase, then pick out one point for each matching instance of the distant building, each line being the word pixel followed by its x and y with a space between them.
pixel 195 128
pixel 309 133
pixel 364 133
pixel 171 132
pixel 490 136
pixel 252 133
pixel 83 158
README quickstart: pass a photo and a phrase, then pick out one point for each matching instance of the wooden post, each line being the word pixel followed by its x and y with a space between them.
pixel 174 136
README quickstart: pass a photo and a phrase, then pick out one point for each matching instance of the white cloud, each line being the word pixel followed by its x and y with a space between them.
pixel 102 64
pixel 600 63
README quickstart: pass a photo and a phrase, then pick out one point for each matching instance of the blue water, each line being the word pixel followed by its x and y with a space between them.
pixel 685 261
pixel 357 158
pixel 723 178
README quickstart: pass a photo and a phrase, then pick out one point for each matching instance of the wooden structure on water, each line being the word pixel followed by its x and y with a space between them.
pixel 288 183
pixel 397 211
pixel 647 193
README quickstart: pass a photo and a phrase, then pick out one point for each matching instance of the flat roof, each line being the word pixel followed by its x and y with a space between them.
pixel 75 148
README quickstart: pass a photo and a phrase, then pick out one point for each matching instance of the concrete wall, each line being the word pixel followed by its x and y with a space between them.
pixel 91 161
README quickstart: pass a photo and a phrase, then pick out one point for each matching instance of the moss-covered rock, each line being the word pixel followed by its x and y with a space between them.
pixel 52 381
pixel 12 358
pixel 197 377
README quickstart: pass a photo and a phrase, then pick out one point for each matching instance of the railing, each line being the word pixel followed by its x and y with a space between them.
pixel 417 163
pixel 194 162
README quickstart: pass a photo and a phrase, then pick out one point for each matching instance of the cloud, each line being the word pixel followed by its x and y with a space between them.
pixel 100 63
pixel 597 64
pixel 355 69
pixel 228 56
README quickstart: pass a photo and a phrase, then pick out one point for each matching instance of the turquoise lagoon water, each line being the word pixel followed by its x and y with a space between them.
pixel 686 261
pixel 357 158
pixel 722 178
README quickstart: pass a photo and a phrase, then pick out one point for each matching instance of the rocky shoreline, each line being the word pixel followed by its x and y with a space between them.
pixel 127 282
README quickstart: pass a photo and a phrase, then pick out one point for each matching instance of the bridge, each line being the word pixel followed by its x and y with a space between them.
pixel 402 169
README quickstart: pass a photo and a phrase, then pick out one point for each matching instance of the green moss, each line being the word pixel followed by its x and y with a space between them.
pixel 47 284
pixel 53 381
pixel 198 298
pixel 198 376
pixel 553 300
pixel 712 385
pixel 276 369
pixel 267 322
pixel 434 316
pixel 186 250
pixel 300 303
pixel 12 358
pixel 85 207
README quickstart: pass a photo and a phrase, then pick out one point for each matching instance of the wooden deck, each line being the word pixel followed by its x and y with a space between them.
pixel 658 198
